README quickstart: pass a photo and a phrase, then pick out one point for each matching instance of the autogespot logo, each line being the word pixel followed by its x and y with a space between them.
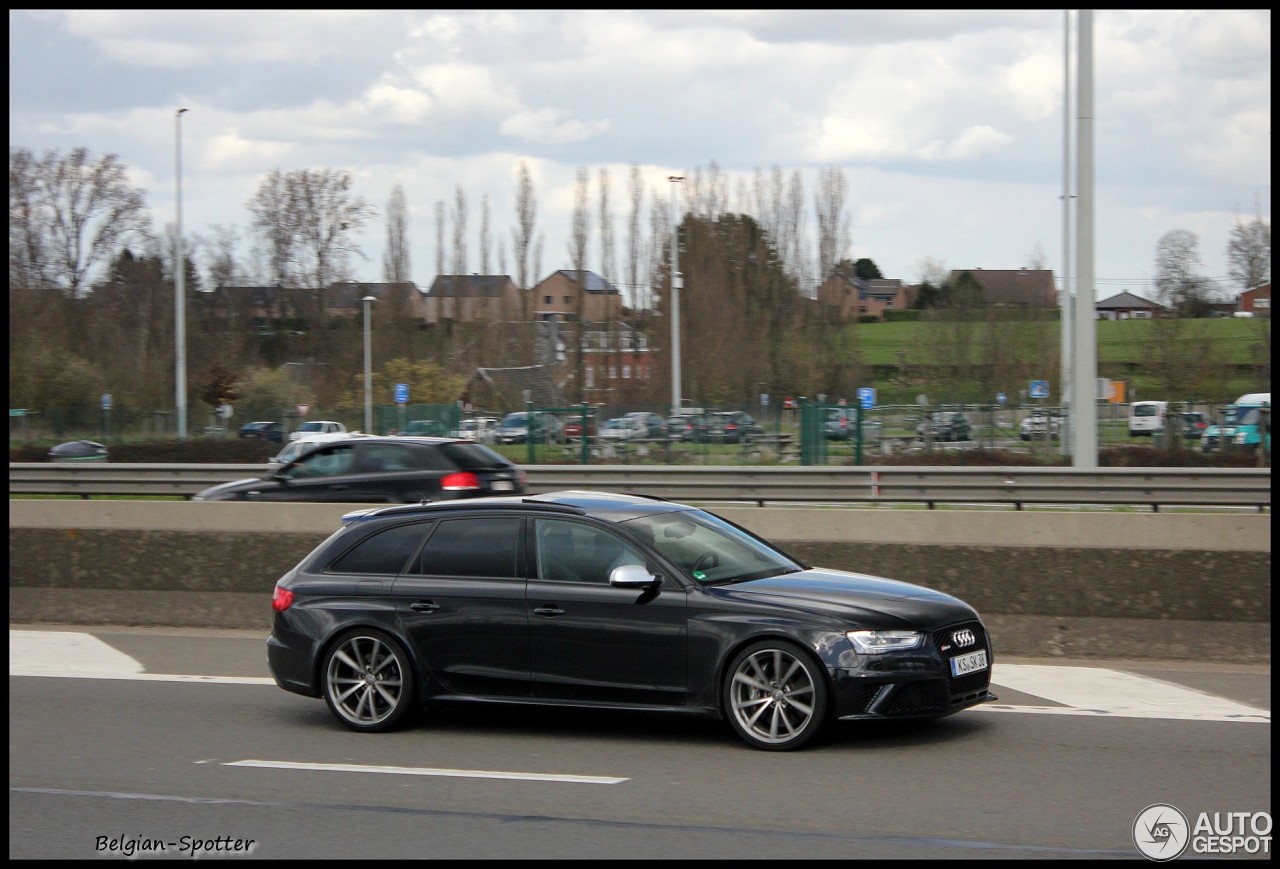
pixel 1160 832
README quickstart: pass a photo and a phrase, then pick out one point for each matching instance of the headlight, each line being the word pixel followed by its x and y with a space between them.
pixel 879 642
pixel 1241 438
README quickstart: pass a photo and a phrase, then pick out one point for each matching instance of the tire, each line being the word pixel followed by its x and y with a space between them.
pixel 775 696
pixel 367 681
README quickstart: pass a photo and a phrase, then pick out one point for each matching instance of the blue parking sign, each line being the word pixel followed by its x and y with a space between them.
pixel 866 397
pixel 402 393
pixel 1039 389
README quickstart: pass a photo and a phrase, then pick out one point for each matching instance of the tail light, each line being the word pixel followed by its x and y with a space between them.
pixel 281 599
pixel 460 481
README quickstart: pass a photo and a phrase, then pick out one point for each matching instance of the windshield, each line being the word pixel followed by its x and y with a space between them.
pixel 710 550
pixel 1247 416
pixel 514 419
pixel 474 457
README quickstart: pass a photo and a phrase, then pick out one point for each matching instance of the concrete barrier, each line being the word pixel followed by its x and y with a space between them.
pixel 1075 584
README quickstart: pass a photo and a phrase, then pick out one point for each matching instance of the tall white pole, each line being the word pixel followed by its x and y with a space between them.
pixel 179 293
pixel 677 281
pixel 1085 453
pixel 1064 305
pixel 368 368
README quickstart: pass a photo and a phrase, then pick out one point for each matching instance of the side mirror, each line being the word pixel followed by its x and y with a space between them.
pixel 633 576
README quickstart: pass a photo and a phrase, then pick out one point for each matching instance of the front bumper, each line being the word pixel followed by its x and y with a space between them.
pixel 916 684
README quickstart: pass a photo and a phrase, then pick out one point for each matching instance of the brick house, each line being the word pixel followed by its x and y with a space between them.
pixel 470 298
pixel 1127 306
pixel 849 298
pixel 1256 300
pixel 557 296
pixel 1014 288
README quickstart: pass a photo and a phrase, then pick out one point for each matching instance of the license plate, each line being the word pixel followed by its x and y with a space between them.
pixel 970 663
pixel 504 486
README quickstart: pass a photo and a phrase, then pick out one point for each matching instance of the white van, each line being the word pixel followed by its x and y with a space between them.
pixel 1146 418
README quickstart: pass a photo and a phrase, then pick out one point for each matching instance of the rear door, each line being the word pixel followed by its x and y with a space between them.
pixel 461 602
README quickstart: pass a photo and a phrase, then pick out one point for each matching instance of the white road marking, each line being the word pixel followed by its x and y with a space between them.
pixel 1111 693
pixel 71 655
pixel 1082 691
pixel 423 770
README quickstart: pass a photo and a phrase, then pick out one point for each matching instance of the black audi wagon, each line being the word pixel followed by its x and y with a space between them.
pixel 593 599
pixel 365 469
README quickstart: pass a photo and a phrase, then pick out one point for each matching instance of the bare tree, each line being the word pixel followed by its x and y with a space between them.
pixel 578 238
pixel 634 240
pixel 486 243
pixel 1249 253
pixel 69 217
pixel 522 235
pixel 440 222
pixel 459 243
pixel 309 217
pixel 833 226
pixel 395 261
pixel 1180 289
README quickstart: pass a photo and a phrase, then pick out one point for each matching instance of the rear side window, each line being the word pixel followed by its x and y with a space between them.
pixel 472 456
pixel 481 547
pixel 384 553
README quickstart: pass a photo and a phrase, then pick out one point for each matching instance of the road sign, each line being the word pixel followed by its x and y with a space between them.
pixel 224 411
pixel 1001 398
pixel 303 408
pixel 764 399
pixel 866 397
pixel 1039 389
pixel 402 393
pixel 106 401
pixel 17 411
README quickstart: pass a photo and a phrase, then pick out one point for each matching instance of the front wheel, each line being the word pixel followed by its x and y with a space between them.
pixel 368 681
pixel 775 696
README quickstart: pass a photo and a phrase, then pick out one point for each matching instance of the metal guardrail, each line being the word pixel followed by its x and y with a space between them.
pixel 1154 487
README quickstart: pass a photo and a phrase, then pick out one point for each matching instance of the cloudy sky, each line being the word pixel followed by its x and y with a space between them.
pixel 948 125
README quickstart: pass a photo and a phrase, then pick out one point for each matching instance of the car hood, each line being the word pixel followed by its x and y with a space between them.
pixel 859 597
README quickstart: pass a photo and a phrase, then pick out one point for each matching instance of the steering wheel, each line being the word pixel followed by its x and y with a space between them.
pixel 710 559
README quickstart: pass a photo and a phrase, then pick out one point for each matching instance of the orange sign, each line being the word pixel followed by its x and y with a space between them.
pixel 1117 392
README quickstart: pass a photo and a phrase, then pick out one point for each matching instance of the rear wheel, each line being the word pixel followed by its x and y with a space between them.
pixel 775 696
pixel 368 681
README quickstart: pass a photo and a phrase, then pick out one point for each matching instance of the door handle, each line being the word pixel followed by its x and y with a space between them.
pixel 551 610
pixel 424 606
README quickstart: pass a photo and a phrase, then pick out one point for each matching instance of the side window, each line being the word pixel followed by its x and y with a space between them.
pixel 480 546
pixel 375 458
pixel 328 463
pixel 573 552
pixel 383 553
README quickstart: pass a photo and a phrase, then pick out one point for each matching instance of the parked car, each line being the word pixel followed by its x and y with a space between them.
pixel 947 425
pixel 364 468
pixel 623 428
pixel 687 427
pixel 317 426
pixel 1033 427
pixel 78 451
pixel 264 430
pixel 510 599
pixel 514 429
pixel 432 428
pixel 295 449
pixel 655 426
pixel 842 425
pixel 1194 424
pixel 730 427
pixel 573 426
pixel 478 428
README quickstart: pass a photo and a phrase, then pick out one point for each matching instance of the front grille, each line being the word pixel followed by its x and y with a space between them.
pixel 969 683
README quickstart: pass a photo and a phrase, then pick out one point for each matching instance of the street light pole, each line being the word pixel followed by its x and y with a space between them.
pixel 368 368
pixel 179 292
pixel 676 282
